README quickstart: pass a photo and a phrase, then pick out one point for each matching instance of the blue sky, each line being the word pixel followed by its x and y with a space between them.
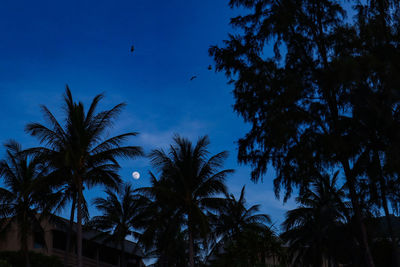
pixel 86 44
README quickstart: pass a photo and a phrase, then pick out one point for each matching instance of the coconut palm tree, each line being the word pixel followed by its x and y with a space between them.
pixel 80 152
pixel 242 236
pixel 189 182
pixel 69 194
pixel 25 199
pixel 249 249
pixel 316 229
pixel 119 217
pixel 234 217
pixel 162 236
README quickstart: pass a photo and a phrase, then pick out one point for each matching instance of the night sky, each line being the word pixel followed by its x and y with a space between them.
pixel 86 44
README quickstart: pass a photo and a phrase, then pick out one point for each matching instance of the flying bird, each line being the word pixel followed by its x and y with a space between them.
pixel 209 67
pixel 132 48
pixel 193 77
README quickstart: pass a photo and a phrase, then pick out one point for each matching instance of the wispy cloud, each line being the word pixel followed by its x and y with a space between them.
pixel 161 138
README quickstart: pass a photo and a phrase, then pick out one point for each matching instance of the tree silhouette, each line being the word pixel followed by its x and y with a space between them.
pixel 308 101
pixel 79 153
pixel 119 217
pixel 189 182
pixel 234 217
pixel 241 235
pixel 315 229
pixel 163 237
pixel 25 200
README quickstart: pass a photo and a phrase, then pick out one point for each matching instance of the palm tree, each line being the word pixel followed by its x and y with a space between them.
pixel 382 185
pixel 316 229
pixel 242 233
pixel 120 216
pixel 163 237
pixel 69 194
pixel 189 183
pixel 234 217
pixel 25 200
pixel 79 152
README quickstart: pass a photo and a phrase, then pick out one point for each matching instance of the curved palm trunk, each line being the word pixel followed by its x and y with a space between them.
pixel 368 260
pixel 79 224
pixel 69 231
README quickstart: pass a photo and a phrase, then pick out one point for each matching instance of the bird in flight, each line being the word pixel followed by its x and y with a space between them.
pixel 132 48
pixel 193 77
pixel 209 67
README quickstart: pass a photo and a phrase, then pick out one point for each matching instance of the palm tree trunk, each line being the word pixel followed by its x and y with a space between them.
pixel 26 255
pixel 69 231
pixel 191 246
pixel 79 224
pixel 25 250
pixel 368 260
pixel 24 232
pixel 123 263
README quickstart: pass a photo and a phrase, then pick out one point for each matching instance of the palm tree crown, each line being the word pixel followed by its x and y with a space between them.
pixel 234 217
pixel 79 153
pixel 314 228
pixel 190 182
pixel 119 216
pixel 241 235
pixel 25 200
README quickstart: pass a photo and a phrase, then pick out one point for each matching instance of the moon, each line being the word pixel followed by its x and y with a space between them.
pixel 136 175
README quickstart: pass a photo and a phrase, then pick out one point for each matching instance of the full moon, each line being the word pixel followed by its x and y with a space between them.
pixel 136 175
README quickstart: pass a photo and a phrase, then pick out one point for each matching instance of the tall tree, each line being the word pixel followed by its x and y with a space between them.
pixel 378 99
pixel 242 236
pixel 163 237
pixel 79 152
pixel 119 217
pixel 316 230
pixel 25 200
pixel 234 217
pixel 190 181
pixel 306 77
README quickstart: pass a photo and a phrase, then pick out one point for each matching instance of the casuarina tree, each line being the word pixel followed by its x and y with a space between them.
pixel 307 75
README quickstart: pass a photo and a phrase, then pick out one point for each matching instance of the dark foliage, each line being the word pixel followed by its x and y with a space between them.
pixel 120 217
pixel 26 199
pixel 318 231
pixel 80 153
pixel 242 236
pixel 325 99
pixel 189 182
